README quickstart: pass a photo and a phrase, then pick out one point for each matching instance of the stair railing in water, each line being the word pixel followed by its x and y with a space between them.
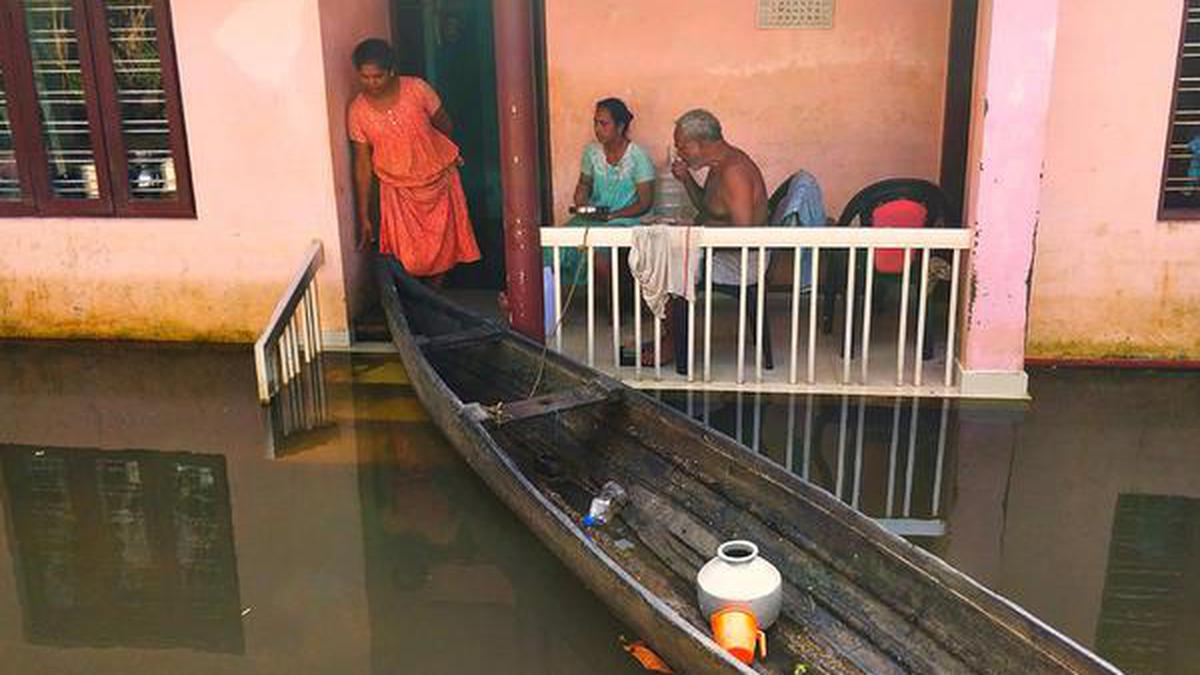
pixel 293 334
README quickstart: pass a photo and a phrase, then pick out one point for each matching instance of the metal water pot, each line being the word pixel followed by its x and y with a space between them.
pixel 738 577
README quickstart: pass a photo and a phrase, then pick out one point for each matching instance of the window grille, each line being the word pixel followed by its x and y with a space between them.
pixel 1181 168
pixel 90 116
pixel 795 13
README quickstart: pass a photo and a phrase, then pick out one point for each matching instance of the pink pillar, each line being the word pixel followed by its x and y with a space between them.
pixel 1014 68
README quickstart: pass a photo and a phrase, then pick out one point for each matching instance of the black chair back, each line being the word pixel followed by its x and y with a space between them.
pixel 863 204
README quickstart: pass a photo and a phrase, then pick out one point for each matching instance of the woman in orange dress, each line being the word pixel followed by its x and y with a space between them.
pixel 401 135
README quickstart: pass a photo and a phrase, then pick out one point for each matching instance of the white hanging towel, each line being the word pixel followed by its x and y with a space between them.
pixel 665 260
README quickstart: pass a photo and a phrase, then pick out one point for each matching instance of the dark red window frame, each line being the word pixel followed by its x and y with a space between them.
pixel 104 121
pixel 1191 10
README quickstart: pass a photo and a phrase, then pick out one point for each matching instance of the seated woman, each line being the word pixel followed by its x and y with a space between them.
pixel 616 175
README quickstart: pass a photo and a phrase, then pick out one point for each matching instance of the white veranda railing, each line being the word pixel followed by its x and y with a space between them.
pixel 894 348
pixel 292 337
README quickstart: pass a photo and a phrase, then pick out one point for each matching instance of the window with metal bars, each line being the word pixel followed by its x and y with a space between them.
pixel 90 117
pixel 1181 169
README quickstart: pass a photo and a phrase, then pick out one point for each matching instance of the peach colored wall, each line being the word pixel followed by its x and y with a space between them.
pixel 1109 278
pixel 258 132
pixel 853 104
pixel 343 24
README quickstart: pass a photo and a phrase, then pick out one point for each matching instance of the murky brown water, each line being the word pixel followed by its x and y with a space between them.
pixel 158 520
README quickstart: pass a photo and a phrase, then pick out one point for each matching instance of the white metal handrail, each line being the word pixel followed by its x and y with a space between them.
pixel 802 373
pixel 292 337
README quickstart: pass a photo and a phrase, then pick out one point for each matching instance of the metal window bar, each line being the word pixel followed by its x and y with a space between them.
pixel 889 506
pixel 558 302
pixel 922 305
pixel 614 273
pixel 790 449
pixel 936 505
pixel 691 322
pixel 858 454
pixel 903 332
pixel 849 332
pixel 795 322
pixel 808 421
pixel 813 294
pixel 952 319
pixel 293 333
pixel 868 292
pixel 591 308
pixel 741 339
pixel 757 431
pixel 708 272
pixel 760 324
pixel 841 449
pixel 912 459
pixel 637 330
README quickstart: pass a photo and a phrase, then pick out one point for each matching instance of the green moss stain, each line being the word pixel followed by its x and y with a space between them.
pixel 44 309
pixel 1121 349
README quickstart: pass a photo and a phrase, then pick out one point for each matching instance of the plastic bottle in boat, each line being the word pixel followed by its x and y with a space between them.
pixel 605 505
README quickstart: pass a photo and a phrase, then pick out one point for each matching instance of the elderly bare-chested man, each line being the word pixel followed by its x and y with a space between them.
pixel 733 194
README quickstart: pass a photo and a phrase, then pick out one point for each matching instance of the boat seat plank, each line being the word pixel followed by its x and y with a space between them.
pixel 593 393
pixel 462 338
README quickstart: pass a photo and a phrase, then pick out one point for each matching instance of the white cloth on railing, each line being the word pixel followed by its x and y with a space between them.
pixel 664 259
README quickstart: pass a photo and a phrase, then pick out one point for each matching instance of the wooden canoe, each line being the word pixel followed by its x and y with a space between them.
pixel 857 599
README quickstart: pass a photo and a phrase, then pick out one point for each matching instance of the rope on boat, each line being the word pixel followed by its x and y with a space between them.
pixel 582 248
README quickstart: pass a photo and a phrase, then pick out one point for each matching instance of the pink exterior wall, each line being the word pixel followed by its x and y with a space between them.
pixel 853 104
pixel 257 119
pixel 344 23
pixel 1109 279
pixel 1014 58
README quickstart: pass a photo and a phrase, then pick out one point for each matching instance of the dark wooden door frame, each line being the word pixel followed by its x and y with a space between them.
pixel 956 129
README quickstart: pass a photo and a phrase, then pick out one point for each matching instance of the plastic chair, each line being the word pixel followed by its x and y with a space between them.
pixel 895 202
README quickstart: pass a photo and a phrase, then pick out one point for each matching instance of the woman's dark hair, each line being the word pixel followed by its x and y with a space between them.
pixel 621 115
pixel 375 51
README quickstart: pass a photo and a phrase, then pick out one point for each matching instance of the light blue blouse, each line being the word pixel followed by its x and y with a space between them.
pixel 615 186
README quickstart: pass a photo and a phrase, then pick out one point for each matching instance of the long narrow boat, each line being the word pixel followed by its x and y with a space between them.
pixel 545 432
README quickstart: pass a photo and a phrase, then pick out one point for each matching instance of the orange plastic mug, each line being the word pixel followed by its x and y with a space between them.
pixel 736 630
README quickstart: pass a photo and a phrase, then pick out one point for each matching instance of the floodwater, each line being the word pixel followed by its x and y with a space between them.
pixel 157 519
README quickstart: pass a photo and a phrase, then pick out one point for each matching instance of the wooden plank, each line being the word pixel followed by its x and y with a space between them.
pixel 462 338
pixel 592 393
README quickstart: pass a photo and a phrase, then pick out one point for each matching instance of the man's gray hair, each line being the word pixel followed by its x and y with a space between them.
pixel 699 124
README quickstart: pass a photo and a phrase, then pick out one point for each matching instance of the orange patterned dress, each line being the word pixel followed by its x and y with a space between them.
pixel 422 208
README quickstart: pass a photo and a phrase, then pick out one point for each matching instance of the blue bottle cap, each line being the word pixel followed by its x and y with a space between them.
pixel 589 521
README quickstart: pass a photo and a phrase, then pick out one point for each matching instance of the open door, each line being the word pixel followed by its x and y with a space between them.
pixel 449 43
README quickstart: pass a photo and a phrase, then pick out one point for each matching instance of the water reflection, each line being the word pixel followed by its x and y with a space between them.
pixel 455 584
pixel 298 415
pixel 348 536
pixel 1151 604
pixel 884 457
pixel 123 548
pixel 358 542
pixel 1082 506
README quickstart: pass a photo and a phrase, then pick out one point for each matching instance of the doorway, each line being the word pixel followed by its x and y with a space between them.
pixel 449 43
